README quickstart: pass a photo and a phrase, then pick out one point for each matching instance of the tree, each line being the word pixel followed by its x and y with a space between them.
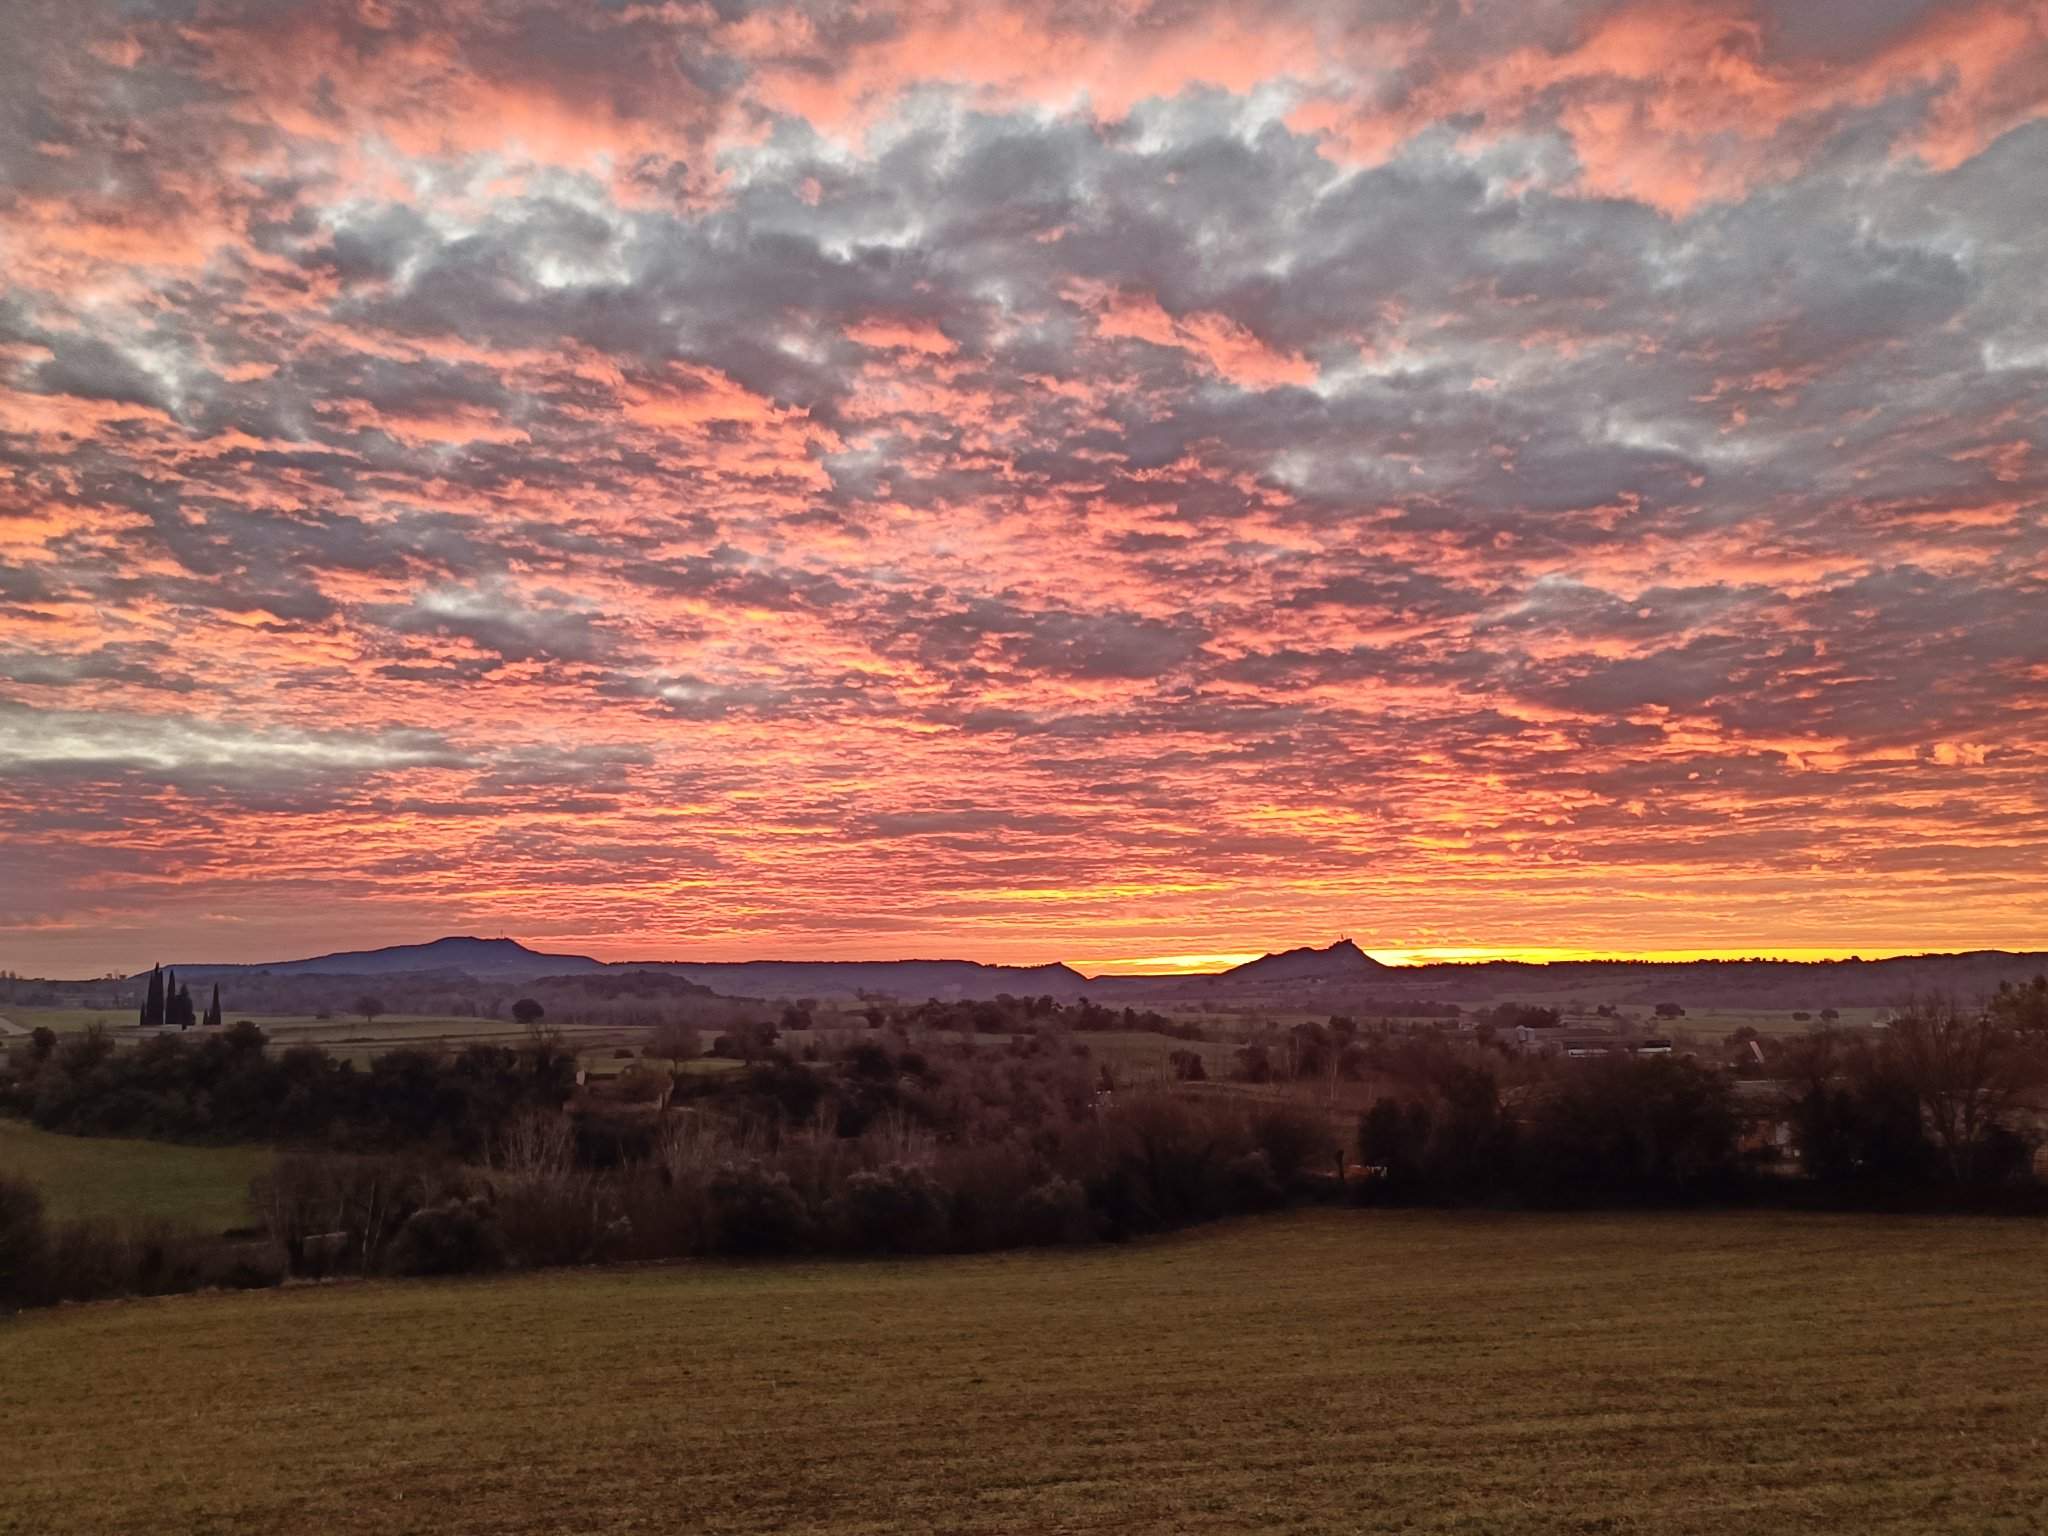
pixel 153 1000
pixel 2022 1008
pixel 673 1041
pixel 369 1007
pixel 1970 1071
pixel 178 1009
pixel 527 1011
pixel 1670 1011
pixel 213 1009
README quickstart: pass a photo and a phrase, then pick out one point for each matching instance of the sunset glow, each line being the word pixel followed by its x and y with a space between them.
pixel 1143 489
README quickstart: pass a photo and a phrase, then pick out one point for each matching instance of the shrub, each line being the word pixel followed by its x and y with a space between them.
pixel 757 1209
pixel 454 1237
pixel 1170 1156
pixel 562 1218
pixel 1055 1211
pixel 335 1214
pixel 1633 1129
pixel 245 1267
pixel 24 1242
pixel 897 1207
pixel 1251 1181
pixel 1293 1139
pixel 85 1261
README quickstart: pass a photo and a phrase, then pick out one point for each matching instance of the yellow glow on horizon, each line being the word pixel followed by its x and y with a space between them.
pixel 1213 964
pixel 1154 965
pixel 1552 954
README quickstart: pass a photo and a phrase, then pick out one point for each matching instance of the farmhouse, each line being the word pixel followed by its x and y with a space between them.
pixel 1555 1040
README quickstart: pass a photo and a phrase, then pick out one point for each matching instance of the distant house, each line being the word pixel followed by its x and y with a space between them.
pixel 1580 1044
pixel 1535 1039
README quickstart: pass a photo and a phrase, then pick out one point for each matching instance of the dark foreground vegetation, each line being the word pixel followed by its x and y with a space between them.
pixel 496 1157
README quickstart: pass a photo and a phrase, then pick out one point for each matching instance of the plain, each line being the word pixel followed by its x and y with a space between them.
pixel 1326 1370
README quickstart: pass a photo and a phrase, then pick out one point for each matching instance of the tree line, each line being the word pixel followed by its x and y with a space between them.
pixel 873 1140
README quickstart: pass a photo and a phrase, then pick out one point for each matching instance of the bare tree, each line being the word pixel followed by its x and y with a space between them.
pixel 537 1144
pixel 369 1007
pixel 1969 1070
pixel 673 1041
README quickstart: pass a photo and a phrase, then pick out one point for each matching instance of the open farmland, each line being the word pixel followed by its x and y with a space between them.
pixel 1322 1371
pixel 116 1179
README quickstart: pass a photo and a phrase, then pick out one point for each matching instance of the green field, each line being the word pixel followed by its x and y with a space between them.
pixel 392 1026
pixel 206 1188
pixel 1324 1371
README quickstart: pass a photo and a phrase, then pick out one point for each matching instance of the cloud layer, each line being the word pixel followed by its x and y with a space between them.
pixel 1026 481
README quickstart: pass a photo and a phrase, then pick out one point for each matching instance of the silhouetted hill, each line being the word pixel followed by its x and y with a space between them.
pixel 1339 977
pixel 1341 961
pixel 509 960
pixel 482 958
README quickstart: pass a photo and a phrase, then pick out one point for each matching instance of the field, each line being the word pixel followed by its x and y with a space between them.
pixel 1329 1370
pixel 98 1176
pixel 344 1036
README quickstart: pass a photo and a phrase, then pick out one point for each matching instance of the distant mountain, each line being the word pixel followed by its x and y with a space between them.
pixel 509 960
pixel 1341 961
pixel 1339 977
pixel 485 959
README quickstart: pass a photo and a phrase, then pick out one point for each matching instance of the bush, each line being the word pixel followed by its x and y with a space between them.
pixel 331 1215
pixel 897 1207
pixel 1294 1139
pixel 1252 1183
pixel 24 1242
pixel 1633 1130
pixel 1169 1161
pixel 757 1209
pixel 85 1261
pixel 1055 1211
pixel 562 1218
pixel 455 1237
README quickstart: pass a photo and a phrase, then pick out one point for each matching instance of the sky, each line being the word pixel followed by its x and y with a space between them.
pixel 1137 484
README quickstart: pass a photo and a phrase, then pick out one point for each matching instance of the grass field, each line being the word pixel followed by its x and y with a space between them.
pixel 100 1176
pixel 395 1027
pixel 1325 1371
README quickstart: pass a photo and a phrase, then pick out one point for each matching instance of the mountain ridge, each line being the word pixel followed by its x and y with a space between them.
pixel 1339 975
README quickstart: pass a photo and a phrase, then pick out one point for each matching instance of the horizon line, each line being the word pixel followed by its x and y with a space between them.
pixel 1189 965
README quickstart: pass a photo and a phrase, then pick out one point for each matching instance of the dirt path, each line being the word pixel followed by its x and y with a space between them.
pixel 9 1027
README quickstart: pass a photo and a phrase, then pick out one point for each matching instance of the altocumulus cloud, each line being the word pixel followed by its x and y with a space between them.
pixel 772 477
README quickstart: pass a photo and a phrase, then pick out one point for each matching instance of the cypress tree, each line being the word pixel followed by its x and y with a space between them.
pixel 213 1008
pixel 180 1009
pixel 153 1000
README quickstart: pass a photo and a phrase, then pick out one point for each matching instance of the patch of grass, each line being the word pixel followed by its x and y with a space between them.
pixel 1325 1371
pixel 66 1021
pixel 206 1188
